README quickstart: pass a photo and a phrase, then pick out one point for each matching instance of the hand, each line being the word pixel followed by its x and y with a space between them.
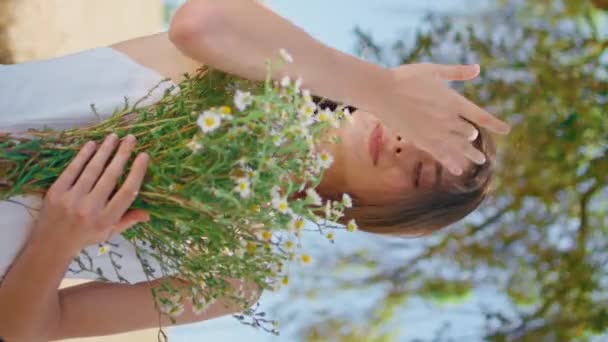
pixel 428 113
pixel 79 209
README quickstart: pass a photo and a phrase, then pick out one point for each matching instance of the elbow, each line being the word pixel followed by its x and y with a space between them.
pixel 194 24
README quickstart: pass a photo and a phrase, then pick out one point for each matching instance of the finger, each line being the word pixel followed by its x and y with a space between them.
pixel 91 173
pixel 444 154
pixel 129 219
pixel 463 147
pixel 464 129
pixel 481 118
pixel 457 72
pixel 73 170
pixel 106 184
pixel 129 190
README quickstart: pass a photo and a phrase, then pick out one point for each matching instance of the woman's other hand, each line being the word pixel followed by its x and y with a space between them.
pixel 81 208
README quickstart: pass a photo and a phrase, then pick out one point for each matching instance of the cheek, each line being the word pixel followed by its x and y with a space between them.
pixel 372 185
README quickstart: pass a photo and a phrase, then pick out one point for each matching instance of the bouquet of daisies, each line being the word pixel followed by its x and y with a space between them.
pixel 227 156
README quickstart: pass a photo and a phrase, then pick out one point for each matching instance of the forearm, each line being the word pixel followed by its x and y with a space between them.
pixel 239 36
pixel 29 292
pixel 98 309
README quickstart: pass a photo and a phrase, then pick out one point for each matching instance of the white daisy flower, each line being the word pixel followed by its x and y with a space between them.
pixel 242 99
pixel 352 226
pixel 298 84
pixel 226 113
pixel 308 109
pixel 285 81
pixel 103 249
pixel 306 95
pixel 209 121
pixel 194 145
pixel 243 187
pixel 347 201
pixel 296 224
pixel 326 115
pixel 285 56
pixel 313 197
pixel 281 204
pixel 324 160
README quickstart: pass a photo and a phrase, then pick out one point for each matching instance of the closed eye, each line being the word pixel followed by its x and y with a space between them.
pixel 417 173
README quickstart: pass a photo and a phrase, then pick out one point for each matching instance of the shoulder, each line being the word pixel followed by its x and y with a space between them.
pixel 158 53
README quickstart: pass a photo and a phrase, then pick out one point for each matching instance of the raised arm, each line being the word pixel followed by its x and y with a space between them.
pixel 238 36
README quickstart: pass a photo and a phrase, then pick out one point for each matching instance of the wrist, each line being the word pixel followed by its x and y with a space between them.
pixel 376 87
pixel 54 245
pixel 366 86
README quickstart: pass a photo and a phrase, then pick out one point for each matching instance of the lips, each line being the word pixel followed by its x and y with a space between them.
pixel 376 143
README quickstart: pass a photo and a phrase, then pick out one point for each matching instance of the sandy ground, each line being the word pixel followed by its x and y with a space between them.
pixel 137 336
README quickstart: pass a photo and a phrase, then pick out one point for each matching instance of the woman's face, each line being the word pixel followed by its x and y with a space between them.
pixel 376 165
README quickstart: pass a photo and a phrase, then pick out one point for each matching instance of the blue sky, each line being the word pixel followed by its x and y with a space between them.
pixel 332 22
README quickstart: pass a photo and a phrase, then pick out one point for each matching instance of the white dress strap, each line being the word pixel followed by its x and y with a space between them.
pixel 58 93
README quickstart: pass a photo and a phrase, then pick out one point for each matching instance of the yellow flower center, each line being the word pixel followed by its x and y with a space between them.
pixel 250 247
pixel 209 121
pixel 299 224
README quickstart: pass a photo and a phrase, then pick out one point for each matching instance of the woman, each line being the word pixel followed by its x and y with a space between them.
pixel 398 188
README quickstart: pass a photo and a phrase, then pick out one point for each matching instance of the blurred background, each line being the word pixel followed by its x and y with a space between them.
pixel 530 265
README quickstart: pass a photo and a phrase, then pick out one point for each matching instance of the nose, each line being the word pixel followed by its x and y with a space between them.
pixel 398 145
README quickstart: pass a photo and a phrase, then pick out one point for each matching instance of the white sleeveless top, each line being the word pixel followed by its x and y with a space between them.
pixel 58 93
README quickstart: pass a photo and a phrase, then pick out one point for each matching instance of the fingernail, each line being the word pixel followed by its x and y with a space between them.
pixel 90 145
pixel 113 137
pixel 456 170
pixel 130 139
pixel 474 135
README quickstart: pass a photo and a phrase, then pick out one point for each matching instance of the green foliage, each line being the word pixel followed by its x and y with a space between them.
pixel 540 241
